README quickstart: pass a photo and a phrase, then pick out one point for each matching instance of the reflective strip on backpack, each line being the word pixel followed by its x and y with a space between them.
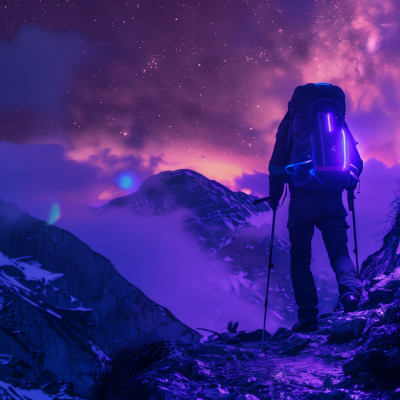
pixel 295 165
pixel 354 176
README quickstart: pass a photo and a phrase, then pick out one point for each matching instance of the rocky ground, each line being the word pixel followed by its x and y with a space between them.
pixel 352 356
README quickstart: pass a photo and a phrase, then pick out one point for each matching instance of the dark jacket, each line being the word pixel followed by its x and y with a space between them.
pixel 281 158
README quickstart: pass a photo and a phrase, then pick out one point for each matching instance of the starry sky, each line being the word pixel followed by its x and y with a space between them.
pixel 97 96
pixel 151 85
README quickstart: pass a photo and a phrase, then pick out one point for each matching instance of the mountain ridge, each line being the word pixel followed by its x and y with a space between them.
pixel 72 309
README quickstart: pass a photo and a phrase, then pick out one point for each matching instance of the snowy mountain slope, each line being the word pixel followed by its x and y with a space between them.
pixel 231 229
pixel 62 305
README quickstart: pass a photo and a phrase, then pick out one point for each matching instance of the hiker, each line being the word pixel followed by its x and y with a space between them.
pixel 316 154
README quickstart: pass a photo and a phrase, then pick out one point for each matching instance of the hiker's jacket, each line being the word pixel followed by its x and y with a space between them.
pixel 281 158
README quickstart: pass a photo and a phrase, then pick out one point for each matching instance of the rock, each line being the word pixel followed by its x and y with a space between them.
pixel 295 344
pixel 369 361
pixel 255 336
pixel 199 371
pixel 326 315
pixel 12 271
pixel 364 376
pixel 344 330
pixel 396 394
pixel 248 381
pixel 380 294
pixel 392 313
pixel 384 338
pixel 324 331
pixel 377 279
pixel 397 294
pixel 328 383
pixel 384 287
pixel 280 335
pixel 383 365
pixel 334 395
pixel 242 354
pixel 382 262
pixel 391 366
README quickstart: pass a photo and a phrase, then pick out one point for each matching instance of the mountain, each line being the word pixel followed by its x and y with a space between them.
pixel 352 356
pixel 230 229
pixel 62 305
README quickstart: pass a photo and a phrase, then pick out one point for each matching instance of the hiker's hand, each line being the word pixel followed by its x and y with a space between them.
pixel 272 204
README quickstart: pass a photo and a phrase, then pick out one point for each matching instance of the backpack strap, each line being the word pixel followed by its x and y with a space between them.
pixel 289 136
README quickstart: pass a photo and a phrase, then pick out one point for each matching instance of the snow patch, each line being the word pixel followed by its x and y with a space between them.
pixel 5 359
pixel 228 259
pixel 100 354
pixel 259 219
pixel 33 394
pixel 32 270
pixel 229 224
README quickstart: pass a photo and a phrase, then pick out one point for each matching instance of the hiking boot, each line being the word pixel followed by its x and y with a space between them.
pixel 350 303
pixel 304 327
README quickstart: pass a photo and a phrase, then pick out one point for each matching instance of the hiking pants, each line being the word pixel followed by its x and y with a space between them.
pixel 329 216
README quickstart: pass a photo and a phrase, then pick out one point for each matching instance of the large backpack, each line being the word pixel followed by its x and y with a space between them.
pixel 324 154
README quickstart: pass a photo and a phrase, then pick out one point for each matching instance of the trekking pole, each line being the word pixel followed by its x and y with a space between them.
pixel 350 200
pixel 270 265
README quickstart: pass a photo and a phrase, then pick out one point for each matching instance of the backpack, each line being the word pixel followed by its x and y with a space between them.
pixel 324 154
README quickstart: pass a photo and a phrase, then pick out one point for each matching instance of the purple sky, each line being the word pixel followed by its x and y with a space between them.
pixel 93 90
pixel 200 84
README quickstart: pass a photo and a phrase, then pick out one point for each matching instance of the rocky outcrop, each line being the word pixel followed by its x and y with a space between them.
pixel 351 356
pixel 363 364
pixel 383 262
pixel 62 306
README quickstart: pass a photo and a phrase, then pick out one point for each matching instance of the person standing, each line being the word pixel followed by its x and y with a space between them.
pixel 316 154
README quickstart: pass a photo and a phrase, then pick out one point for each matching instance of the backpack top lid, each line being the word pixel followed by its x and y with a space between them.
pixel 306 96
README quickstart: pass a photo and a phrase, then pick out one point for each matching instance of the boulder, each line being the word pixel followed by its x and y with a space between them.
pixel 369 361
pixel 255 336
pixel 279 335
pixel 295 344
pixel 384 338
pixel 392 313
pixel 344 330
pixel 384 287
pixel 334 395
pixel 374 363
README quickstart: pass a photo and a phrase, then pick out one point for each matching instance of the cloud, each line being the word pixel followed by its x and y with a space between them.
pixel 256 184
pixel 157 255
pixel 37 66
pixel 35 177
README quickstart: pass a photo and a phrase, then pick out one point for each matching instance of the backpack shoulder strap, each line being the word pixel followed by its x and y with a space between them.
pixel 289 136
